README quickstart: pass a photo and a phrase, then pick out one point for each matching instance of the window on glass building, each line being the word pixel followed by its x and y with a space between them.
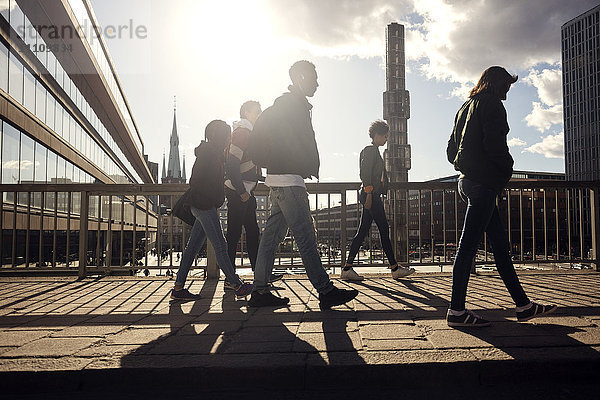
pixel 10 156
pixel 3 67
pixel 40 102
pixel 50 110
pixel 15 78
pixel 51 167
pixel 27 159
pixel 29 91
pixel 17 18
pixel 41 153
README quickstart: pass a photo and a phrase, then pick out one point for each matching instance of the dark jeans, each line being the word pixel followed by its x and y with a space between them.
pixel 376 213
pixel 482 216
pixel 241 214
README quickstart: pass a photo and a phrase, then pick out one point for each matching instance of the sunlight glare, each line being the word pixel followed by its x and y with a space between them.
pixel 223 35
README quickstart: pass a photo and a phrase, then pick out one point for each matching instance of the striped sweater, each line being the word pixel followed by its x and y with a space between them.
pixel 241 173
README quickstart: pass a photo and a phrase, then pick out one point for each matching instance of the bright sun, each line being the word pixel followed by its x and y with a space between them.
pixel 225 32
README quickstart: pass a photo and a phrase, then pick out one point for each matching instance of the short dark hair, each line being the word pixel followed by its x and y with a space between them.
pixel 300 68
pixel 378 127
pixel 494 80
pixel 217 130
pixel 248 106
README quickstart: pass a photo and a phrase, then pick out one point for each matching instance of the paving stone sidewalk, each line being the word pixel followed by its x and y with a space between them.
pixel 125 328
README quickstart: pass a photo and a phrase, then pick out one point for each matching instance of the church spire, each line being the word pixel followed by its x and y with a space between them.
pixel 174 167
pixel 183 177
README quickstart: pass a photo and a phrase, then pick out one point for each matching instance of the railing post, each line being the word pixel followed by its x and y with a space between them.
pixel 83 233
pixel 212 270
pixel 343 229
pixel 595 211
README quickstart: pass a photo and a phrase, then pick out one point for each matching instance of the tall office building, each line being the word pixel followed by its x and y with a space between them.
pixel 396 111
pixel 581 95
pixel 64 117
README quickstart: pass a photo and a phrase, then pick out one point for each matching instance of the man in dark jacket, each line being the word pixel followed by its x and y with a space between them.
pixel 290 156
pixel 478 149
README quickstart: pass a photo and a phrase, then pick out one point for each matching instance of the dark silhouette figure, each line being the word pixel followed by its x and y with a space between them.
pixel 374 185
pixel 205 196
pixel 241 178
pixel 288 149
pixel 478 149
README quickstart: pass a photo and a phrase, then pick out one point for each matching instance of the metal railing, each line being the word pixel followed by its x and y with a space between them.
pixel 95 228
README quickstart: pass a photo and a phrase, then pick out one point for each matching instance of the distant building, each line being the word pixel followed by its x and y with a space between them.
pixel 433 221
pixel 581 95
pixel 433 218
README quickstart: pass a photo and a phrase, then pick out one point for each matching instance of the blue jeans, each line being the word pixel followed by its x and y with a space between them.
pixel 377 214
pixel 482 216
pixel 289 207
pixel 207 225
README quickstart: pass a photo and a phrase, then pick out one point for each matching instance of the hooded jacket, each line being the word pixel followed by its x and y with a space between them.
pixel 477 146
pixel 286 130
pixel 206 183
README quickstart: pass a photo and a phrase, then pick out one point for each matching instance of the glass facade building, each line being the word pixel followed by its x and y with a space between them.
pixel 581 95
pixel 64 119
pixel 53 119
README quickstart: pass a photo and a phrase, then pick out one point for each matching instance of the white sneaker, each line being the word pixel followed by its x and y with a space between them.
pixel 351 275
pixel 401 272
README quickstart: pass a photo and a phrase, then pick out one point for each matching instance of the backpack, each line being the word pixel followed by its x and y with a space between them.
pixel 261 139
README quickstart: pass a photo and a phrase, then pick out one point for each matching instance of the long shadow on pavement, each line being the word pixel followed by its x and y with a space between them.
pixel 538 341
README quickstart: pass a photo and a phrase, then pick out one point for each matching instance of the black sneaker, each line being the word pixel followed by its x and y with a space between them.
pixel 336 297
pixel 536 310
pixel 184 294
pixel 266 299
pixel 275 278
pixel 466 319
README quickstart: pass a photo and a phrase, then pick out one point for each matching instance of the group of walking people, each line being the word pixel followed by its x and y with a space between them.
pixel 282 140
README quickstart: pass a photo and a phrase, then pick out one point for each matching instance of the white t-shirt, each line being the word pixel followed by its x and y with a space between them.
pixel 284 180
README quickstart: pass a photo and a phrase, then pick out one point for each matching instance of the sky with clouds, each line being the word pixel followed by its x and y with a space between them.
pixel 214 55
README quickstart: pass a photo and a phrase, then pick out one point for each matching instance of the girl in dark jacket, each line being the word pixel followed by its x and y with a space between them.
pixel 374 185
pixel 478 149
pixel 205 196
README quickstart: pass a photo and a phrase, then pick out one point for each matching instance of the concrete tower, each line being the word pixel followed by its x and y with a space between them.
pixel 396 111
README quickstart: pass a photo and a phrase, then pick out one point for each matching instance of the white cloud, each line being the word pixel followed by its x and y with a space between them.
pixel 548 83
pixel 549 111
pixel 16 165
pixel 448 40
pixel 551 146
pixel 542 117
pixel 516 142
